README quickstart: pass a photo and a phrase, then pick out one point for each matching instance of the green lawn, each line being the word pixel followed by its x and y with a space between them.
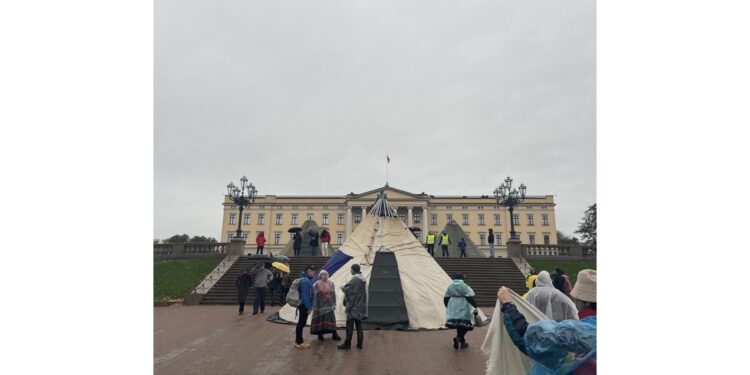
pixel 174 278
pixel 570 267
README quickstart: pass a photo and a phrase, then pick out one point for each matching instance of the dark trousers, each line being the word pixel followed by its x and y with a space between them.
pixel 242 306
pixel 431 248
pixel 350 323
pixel 274 293
pixel 313 250
pixel 445 250
pixel 463 253
pixel 260 300
pixel 460 333
pixel 301 322
pixel 259 250
pixel 296 252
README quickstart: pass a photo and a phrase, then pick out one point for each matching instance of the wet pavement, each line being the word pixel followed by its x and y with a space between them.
pixel 215 340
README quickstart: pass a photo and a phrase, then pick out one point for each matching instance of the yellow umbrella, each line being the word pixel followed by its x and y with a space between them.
pixel 280 266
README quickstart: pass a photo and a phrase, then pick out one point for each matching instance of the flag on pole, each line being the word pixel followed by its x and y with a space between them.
pixel 388 158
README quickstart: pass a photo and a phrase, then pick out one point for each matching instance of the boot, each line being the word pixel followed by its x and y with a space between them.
pixel 360 340
pixel 464 345
pixel 455 343
pixel 336 337
pixel 346 345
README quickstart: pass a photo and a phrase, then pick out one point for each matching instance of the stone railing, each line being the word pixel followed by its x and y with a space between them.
pixel 567 251
pixel 191 250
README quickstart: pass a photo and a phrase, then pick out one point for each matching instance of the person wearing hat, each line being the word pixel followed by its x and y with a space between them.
pixel 584 293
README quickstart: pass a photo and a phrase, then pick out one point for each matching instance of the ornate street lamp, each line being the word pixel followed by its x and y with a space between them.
pixel 507 196
pixel 241 196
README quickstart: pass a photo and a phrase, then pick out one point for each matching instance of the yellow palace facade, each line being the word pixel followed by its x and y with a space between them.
pixel 534 219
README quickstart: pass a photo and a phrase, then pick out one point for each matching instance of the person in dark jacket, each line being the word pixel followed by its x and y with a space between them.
pixel 286 282
pixel 243 284
pixel 491 241
pixel 274 287
pixel 261 277
pixel 305 305
pixel 355 302
pixel 568 287
pixel 314 242
pixel 462 247
pixel 566 347
pixel 297 243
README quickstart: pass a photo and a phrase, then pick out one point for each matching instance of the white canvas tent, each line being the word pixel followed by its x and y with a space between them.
pixel 423 281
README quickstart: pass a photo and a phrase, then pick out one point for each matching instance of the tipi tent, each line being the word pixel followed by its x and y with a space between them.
pixel 423 282
pixel 455 233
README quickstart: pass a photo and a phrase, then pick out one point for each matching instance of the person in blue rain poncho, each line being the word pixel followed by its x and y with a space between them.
pixel 460 309
pixel 565 347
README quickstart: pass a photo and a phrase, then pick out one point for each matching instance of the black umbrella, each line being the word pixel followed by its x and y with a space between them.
pixel 294 230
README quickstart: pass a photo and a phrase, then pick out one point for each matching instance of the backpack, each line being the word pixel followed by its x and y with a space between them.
pixel 292 297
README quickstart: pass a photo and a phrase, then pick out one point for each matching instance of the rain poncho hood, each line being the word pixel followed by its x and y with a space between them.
pixel 554 304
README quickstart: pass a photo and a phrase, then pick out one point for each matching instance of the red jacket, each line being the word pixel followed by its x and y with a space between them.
pixel 260 240
pixel 325 237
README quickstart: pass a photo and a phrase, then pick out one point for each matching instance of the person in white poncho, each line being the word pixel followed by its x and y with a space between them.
pixel 550 301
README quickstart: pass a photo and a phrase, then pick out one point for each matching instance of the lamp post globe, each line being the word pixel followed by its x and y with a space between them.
pixel 507 196
pixel 242 196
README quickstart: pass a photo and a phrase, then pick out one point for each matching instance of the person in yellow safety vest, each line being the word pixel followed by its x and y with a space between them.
pixel 444 242
pixel 431 243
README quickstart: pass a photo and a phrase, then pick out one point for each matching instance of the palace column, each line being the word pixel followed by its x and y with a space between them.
pixel 364 213
pixel 348 222
pixel 425 227
pixel 410 218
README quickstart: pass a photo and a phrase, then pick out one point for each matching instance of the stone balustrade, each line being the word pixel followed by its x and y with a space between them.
pixel 191 250
pixel 566 251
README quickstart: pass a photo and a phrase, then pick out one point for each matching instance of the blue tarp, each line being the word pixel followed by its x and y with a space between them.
pixel 333 264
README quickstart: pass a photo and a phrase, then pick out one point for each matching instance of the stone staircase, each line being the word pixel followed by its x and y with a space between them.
pixel 484 275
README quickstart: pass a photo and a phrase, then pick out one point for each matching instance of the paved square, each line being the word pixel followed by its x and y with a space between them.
pixel 215 340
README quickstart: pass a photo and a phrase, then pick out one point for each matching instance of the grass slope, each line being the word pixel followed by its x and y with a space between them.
pixel 174 278
pixel 570 267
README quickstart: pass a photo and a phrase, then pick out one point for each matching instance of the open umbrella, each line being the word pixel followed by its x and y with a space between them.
pixel 280 266
pixel 281 258
pixel 294 230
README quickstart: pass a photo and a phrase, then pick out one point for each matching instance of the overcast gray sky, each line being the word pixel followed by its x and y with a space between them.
pixel 308 97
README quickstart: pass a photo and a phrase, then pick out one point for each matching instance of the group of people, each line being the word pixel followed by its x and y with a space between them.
pixel 320 299
pixel 263 280
pixel 444 240
pixel 322 239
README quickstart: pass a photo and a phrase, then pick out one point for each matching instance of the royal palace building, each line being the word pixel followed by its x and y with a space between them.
pixel 534 218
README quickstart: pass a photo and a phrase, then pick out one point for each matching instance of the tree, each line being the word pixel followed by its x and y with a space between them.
pixel 177 238
pixel 563 239
pixel 202 239
pixel 587 228
pixel 156 241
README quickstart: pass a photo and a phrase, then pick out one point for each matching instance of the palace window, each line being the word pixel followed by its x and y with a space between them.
pixel 482 239
pixel 480 217
pixel 261 219
pixel 247 219
pixel 544 207
pixel 309 216
pixel 340 219
pixel 530 219
pixel 433 219
pixel 325 219
pixel 546 239
pixel 449 217
pixel 545 219
pixel 277 238
pixel 309 207
pixel 529 207
pixel 466 219
pixel 294 219
pixel 417 218
pixel 339 238
pixel 448 207
pixel 278 219
pixel 231 218
pixel 357 217
pixel 497 220
pixel 498 238
pixel 402 216
pixel 464 207
pixel 480 207
pixel 516 220
pixel 244 236
pixel 230 235
pixel 532 239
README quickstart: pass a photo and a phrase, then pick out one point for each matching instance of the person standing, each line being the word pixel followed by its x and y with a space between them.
pixel 325 241
pixel 567 286
pixel 274 287
pixel 584 293
pixel 324 303
pixel 462 247
pixel 305 299
pixel 261 277
pixel 431 243
pixel 260 240
pixel 355 302
pixel 460 305
pixel 314 242
pixel 243 283
pixel 550 301
pixel 491 241
pixel 444 242
pixel 297 243
pixel 286 282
